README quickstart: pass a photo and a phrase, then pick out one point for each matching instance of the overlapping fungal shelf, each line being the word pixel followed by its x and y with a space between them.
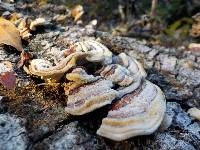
pixel 93 77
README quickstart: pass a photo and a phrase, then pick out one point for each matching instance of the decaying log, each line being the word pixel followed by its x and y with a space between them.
pixel 48 126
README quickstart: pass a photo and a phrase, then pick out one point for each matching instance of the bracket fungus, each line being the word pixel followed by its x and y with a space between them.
pixel 137 113
pixel 89 97
pixel 94 77
pixel 98 52
pixel 47 71
pixel 117 74
pixel 80 75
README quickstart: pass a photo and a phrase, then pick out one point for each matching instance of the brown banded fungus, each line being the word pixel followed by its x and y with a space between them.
pixel 98 52
pixel 47 71
pixel 89 97
pixel 93 77
pixel 138 113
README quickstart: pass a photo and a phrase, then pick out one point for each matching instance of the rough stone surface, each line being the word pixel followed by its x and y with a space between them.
pixel 12 133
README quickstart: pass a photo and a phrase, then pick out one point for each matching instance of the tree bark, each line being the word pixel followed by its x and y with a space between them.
pixel 48 126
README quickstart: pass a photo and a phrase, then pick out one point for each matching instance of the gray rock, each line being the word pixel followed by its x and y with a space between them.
pixel 181 145
pixel 6 14
pixel 6 7
pixel 187 55
pixel 12 133
pixel 182 134
pixel 60 9
pixel 167 121
pixel 6 54
pixel 157 65
pixel 178 94
pixel 194 129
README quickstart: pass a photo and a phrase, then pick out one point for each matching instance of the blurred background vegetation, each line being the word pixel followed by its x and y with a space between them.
pixel 163 22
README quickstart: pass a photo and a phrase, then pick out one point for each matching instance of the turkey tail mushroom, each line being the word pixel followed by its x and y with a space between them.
pixel 118 74
pixel 131 64
pixel 78 74
pixel 138 113
pixel 47 71
pixel 77 77
pixel 98 52
pixel 141 105
pixel 88 97
pixel 126 72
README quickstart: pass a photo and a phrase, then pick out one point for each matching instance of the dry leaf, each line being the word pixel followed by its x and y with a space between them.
pixel 10 34
pixel 11 37
pixel 23 28
pixel 7 75
pixel 8 79
pixel 77 12
pixel 195 31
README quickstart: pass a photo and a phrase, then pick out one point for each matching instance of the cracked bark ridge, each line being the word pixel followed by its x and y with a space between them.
pixel 72 136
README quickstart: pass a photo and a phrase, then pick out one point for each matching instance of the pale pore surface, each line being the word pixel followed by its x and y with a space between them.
pixel 41 65
pixel 80 75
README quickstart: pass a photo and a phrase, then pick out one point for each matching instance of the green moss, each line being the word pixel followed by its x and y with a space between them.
pixel 183 24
